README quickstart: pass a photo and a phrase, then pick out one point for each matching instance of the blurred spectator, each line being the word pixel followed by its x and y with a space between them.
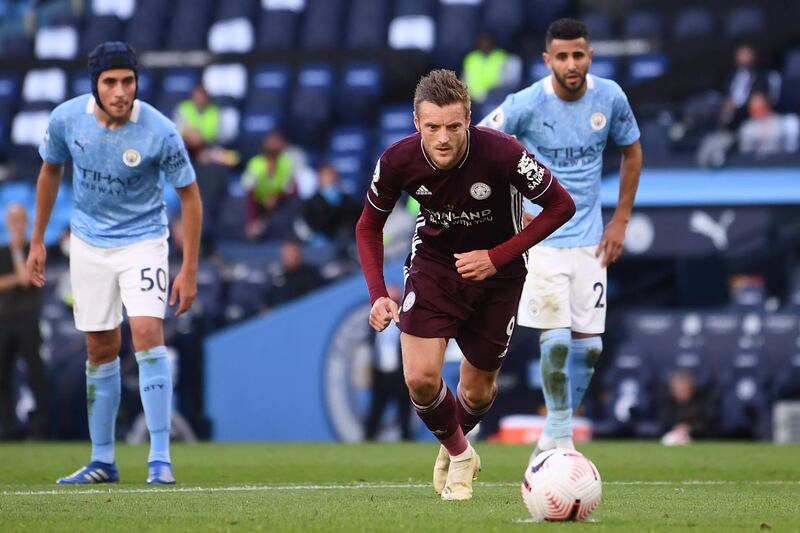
pixel 746 79
pixel 269 182
pixel 20 307
pixel 330 212
pixel 766 132
pixel 198 121
pixel 293 277
pixel 387 379
pixel 686 413
pixel 483 67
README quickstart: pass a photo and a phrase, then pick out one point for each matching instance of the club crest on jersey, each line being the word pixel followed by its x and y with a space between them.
pixel 131 158
pixel 529 168
pixel 480 190
pixel 408 303
pixel 598 121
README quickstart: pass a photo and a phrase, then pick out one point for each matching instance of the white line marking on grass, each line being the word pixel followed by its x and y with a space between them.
pixel 76 490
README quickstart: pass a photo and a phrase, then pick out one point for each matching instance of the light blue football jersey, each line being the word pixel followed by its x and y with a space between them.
pixel 569 137
pixel 119 174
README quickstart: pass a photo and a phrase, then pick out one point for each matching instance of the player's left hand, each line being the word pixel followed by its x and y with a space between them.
pixel 184 291
pixel 611 244
pixel 475 265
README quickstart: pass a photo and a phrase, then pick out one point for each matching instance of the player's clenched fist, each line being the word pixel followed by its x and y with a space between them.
pixel 383 311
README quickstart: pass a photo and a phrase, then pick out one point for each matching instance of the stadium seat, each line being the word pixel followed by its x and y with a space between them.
pixel 412 32
pixel 228 80
pixel 56 42
pixel 745 398
pixel 9 94
pixel 176 85
pixel 367 24
pixel 322 25
pixel 190 22
pixel 310 109
pixel 542 12
pixel 122 9
pixel 45 85
pixel 601 26
pixel 781 340
pixel 787 381
pixel 693 22
pixel 537 69
pixel 255 124
pixel 234 35
pixel 404 8
pixel 233 9
pixel 744 20
pixel 456 33
pixel 277 29
pixel 99 29
pixel 269 86
pixel 643 24
pixel 646 67
pixel 397 117
pixel 655 139
pixel 358 93
pixel 791 64
pixel 246 291
pixel 605 67
pixel 504 19
pixel 146 28
pixel 630 405
pixel 16 45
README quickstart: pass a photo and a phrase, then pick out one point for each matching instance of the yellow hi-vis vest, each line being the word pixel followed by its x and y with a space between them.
pixel 483 72
pixel 206 121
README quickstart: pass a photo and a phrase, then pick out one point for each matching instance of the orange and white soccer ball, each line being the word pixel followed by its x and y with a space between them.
pixel 561 485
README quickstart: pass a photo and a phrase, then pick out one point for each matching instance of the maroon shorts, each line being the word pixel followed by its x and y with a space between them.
pixel 480 319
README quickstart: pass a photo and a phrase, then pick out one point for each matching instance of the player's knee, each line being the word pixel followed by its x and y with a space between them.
pixel 147 333
pixel 423 386
pixel 478 397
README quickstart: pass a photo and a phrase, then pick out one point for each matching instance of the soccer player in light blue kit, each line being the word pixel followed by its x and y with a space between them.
pixel 123 152
pixel 566 119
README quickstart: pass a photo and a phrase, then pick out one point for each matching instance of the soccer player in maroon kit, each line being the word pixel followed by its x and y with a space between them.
pixel 466 269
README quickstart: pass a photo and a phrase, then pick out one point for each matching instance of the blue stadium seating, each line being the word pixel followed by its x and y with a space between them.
pixel 605 67
pixel 176 85
pixel 277 29
pixel 456 34
pixel 229 9
pixel 255 124
pixel 311 107
pixel 348 149
pixel 647 67
pixel 189 27
pixel 269 87
pixel 322 24
pixel 643 24
pixel 744 20
pixel 367 24
pixel 745 398
pixel 146 27
pixel 787 382
pixel 9 94
pixel 504 19
pixel 630 405
pixel 414 7
pixel 358 93
pixel 542 12
pixel 693 22
pixel 601 26
pixel 100 29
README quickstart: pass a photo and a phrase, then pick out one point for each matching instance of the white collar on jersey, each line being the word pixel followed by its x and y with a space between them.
pixel 137 109
pixel 434 167
pixel 548 86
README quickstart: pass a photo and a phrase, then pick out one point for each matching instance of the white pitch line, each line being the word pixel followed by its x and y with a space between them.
pixel 76 490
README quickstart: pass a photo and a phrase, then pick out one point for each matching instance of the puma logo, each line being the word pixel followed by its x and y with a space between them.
pixel 546 125
pixel 81 146
pixel 702 223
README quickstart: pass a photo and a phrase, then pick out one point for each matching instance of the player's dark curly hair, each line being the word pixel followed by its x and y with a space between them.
pixel 566 29
pixel 441 87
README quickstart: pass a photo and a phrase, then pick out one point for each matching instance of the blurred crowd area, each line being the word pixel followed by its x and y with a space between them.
pixel 285 105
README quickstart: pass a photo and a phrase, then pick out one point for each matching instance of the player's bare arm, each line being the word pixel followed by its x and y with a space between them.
pixel 475 265
pixel 383 311
pixel 46 191
pixel 184 288
pixel 610 246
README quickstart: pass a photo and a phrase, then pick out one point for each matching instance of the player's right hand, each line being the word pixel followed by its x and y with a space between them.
pixel 35 264
pixel 383 311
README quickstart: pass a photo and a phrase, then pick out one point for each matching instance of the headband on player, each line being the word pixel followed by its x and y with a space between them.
pixel 108 56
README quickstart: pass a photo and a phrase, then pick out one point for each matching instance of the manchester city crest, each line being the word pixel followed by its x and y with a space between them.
pixel 131 158
pixel 598 121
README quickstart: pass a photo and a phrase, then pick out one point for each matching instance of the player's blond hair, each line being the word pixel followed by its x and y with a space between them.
pixel 441 87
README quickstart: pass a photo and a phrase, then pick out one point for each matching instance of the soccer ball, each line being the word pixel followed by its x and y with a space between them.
pixel 561 485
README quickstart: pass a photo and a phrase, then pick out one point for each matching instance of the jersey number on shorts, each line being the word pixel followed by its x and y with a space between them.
pixel 148 282
pixel 599 287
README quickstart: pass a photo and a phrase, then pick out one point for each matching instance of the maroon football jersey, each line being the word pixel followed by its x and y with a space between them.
pixel 476 205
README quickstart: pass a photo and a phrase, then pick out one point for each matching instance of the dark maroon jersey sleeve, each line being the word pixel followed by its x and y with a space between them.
pixel 537 183
pixel 558 208
pixel 382 195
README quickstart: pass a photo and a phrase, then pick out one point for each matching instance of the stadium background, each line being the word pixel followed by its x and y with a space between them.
pixel 709 280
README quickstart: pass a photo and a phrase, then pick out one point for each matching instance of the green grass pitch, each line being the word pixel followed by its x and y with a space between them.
pixel 704 487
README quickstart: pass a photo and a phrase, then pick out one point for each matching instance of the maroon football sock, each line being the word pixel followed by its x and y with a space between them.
pixel 468 417
pixel 440 419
